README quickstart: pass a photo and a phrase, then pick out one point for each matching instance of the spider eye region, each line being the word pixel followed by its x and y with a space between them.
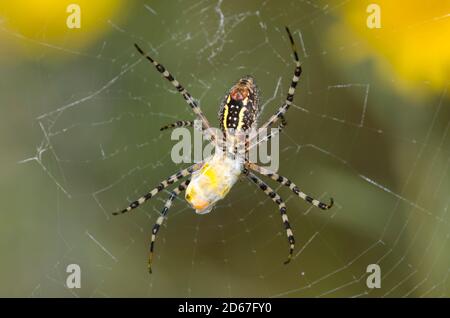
pixel 239 94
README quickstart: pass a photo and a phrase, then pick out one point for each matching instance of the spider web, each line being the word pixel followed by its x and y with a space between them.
pixel 97 146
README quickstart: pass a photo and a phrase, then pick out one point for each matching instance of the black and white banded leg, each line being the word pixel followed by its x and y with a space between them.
pixel 282 207
pixel 188 97
pixel 253 142
pixel 280 128
pixel 189 123
pixel 179 123
pixel 290 96
pixel 288 183
pixel 161 218
pixel 164 184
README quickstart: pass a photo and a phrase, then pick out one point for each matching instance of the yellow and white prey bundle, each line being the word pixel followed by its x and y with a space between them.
pixel 212 182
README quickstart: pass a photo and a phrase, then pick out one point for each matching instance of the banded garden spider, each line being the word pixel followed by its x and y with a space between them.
pixel 212 178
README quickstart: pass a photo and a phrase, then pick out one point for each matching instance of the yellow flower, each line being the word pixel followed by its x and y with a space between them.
pixel 413 41
pixel 44 22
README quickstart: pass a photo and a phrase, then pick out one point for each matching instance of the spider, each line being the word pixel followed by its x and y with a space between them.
pixel 210 180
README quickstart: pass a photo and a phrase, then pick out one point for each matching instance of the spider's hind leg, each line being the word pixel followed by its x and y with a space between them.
pixel 288 183
pixel 282 207
pixel 160 219
pixel 164 184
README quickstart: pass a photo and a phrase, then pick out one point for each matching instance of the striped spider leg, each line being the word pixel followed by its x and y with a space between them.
pixel 281 206
pixel 190 123
pixel 278 130
pixel 277 199
pixel 288 183
pixel 279 114
pixel 160 219
pixel 177 124
pixel 164 184
pixel 280 126
pixel 290 96
pixel 188 97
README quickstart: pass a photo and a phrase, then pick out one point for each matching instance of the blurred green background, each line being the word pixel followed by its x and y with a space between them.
pixel 80 138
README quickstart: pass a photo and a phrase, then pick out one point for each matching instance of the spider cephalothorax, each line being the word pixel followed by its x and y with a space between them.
pixel 210 180
pixel 240 107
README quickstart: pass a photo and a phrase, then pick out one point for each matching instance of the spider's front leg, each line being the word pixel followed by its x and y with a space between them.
pixel 164 184
pixel 279 128
pixel 281 205
pixel 190 123
pixel 177 124
pixel 290 96
pixel 186 95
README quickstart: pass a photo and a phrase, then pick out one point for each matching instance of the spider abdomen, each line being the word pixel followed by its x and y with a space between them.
pixel 212 182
